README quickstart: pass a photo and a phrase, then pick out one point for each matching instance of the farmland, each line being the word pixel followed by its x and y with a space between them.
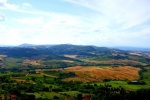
pixel 48 84
pixel 68 71
pixel 92 74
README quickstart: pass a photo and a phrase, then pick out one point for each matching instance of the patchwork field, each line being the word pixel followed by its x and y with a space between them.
pixel 123 84
pixel 2 56
pixel 69 61
pixel 116 62
pixel 31 62
pixel 93 74
pixel 70 56
pixel 146 76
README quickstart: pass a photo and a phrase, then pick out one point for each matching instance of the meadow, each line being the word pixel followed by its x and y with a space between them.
pixel 94 73
pixel 52 73
pixel 69 82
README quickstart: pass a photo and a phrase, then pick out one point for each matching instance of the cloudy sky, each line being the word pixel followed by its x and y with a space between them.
pixel 83 22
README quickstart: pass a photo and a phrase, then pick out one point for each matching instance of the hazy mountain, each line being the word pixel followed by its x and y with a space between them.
pixel 67 51
pixel 7 45
pixel 140 49
pixel 70 47
pixel 35 50
pixel 26 45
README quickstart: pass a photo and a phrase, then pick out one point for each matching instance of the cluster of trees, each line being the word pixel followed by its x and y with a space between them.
pixel 110 93
pixel 5 79
pixel 98 92
pixel 66 75
pixel 137 82
pixel 104 92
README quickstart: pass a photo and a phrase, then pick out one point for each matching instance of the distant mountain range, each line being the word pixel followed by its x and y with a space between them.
pixel 126 48
pixel 81 54
pixel 133 49
pixel 29 50
pixel 140 49
pixel 26 45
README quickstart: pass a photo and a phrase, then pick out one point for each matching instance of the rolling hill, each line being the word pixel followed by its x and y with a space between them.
pixel 67 55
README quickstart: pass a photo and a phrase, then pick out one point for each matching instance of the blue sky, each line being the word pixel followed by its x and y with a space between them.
pixel 82 22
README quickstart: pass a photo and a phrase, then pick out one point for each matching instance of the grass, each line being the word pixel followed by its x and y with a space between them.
pixel 103 58
pixel 35 75
pixel 113 61
pixel 28 77
pixel 50 85
pixel 123 84
pixel 71 93
pixel 12 62
pixel 31 62
pixel 146 76
pixel 5 74
pixel 49 95
pixel 142 59
pixel 93 74
pixel 54 73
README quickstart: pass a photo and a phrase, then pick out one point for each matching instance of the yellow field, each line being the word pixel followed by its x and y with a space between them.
pixel 31 62
pixel 21 80
pixel 71 56
pixel 2 56
pixel 116 62
pixel 69 61
pixel 93 74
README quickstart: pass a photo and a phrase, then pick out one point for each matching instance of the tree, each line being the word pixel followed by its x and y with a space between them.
pixel 79 97
pixel 55 98
pixel 44 77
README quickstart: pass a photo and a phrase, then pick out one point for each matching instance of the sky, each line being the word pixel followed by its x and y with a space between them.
pixel 83 22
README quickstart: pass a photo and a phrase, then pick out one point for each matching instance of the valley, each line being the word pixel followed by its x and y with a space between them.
pixel 64 72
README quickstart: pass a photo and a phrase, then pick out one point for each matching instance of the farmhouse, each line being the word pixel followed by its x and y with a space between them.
pixel 136 82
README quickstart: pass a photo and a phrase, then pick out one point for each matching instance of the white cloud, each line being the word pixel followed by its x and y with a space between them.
pixel 57 28
pixel 2 18
pixel 112 23
pixel 119 22
pixel 7 5
pixel 27 4
pixel 61 28
pixel 9 35
pixel 125 13
pixel 3 1
pixel 30 21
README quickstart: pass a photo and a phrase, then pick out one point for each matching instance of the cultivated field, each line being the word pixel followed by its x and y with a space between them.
pixel 69 61
pixel 2 56
pixel 93 74
pixel 31 62
pixel 116 62
pixel 70 56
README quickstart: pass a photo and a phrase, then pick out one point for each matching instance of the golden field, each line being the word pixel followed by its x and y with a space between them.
pixel 132 62
pixel 31 62
pixel 94 74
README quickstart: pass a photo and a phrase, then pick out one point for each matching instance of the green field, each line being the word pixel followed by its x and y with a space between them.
pixel 54 73
pixel 13 62
pixel 100 58
pixel 146 76
pixel 123 84
pixel 70 93
pixel 49 95
pixel 49 80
